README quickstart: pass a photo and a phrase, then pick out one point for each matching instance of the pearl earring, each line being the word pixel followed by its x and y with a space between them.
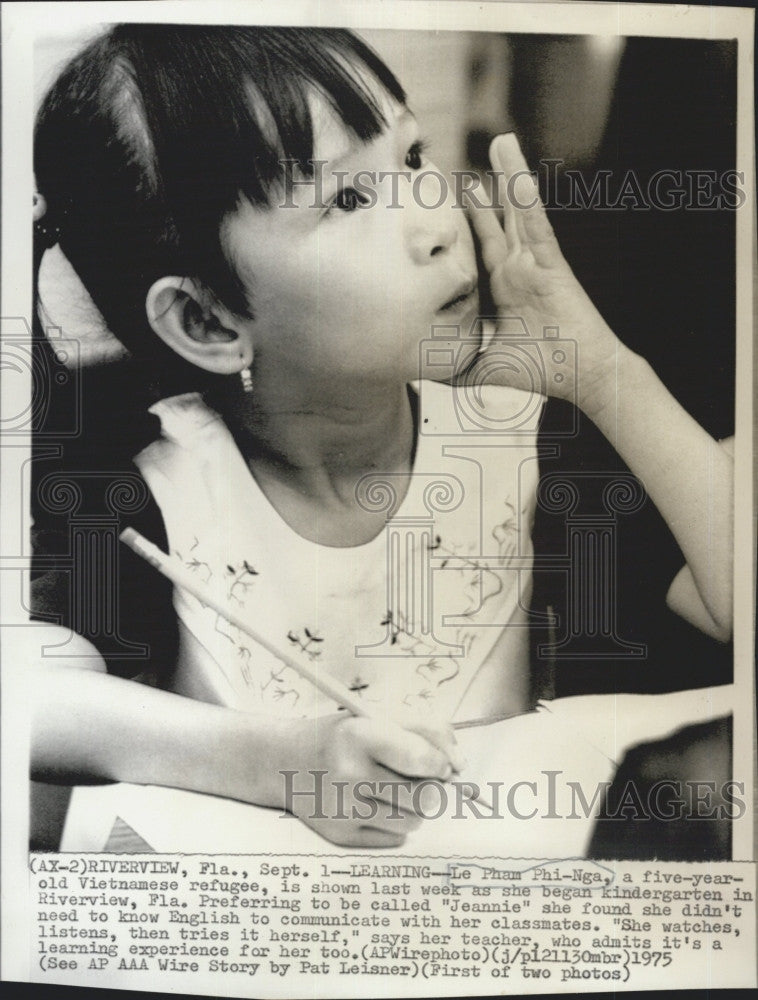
pixel 247 380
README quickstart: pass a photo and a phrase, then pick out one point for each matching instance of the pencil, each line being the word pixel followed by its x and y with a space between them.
pixel 324 682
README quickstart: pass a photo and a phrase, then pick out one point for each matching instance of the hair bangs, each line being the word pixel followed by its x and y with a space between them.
pixel 335 64
pixel 234 102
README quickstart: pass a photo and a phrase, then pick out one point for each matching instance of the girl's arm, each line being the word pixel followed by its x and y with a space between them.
pixel 683 596
pixel 92 726
pixel 685 472
pixel 688 476
pixel 89 725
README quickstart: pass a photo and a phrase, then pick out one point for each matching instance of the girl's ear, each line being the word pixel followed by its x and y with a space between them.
pixel 176 313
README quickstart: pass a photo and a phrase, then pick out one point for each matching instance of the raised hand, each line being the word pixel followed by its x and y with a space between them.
pixel 531 281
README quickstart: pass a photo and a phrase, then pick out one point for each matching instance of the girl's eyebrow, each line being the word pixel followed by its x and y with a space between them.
pixel 403 117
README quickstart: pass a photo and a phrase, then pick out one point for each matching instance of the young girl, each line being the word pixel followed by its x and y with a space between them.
pixel 253 213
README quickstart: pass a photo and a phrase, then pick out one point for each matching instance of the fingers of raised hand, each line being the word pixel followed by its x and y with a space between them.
pixel 525 214
pixel 514 191
pixel 492 239
pixel 510 170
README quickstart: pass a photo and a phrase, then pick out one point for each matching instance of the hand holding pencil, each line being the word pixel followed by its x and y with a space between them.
pixel 366 769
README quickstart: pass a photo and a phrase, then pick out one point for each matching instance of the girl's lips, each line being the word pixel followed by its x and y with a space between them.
pixel 462 294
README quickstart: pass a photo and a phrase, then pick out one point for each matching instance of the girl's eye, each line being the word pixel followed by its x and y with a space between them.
pixel 414 158
pixel 348 200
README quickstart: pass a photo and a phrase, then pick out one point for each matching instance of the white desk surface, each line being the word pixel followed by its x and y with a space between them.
pixel 583 738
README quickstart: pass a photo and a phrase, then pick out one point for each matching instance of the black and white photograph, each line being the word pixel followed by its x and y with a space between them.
pixel 378 497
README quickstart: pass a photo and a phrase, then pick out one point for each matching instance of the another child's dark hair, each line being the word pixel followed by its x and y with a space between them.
pixel 152 135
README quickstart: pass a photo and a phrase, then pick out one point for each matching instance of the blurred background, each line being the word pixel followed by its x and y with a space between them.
pixel 664 279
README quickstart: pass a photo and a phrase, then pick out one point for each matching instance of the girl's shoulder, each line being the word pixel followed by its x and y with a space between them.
pixel 183 417
pixel 191 435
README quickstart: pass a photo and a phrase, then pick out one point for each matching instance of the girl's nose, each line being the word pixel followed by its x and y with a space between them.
pixel 433 228
pixel 427 241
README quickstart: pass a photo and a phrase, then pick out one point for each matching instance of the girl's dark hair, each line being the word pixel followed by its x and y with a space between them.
pixel 152 135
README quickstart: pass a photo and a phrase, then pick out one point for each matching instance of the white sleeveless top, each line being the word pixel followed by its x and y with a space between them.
pixel 406 620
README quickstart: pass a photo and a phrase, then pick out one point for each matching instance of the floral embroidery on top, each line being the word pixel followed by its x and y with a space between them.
pixel 506 534
pixel 480 583
pixel 194 564
pixel 240 584
pixel 306 644
pixel 411 665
